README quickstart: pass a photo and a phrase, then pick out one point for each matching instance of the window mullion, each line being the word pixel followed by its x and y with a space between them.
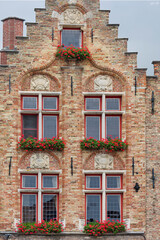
pixel 103 116
pixel 103 197
pixel 39 197
pixel 40 116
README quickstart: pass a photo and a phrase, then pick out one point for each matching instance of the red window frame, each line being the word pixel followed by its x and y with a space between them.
pixel 100 127
pixel 86 205
pixel 121 204
pixel 120 124
pixel 57 134
pixel 115 175
pixel 93 175
pixel 72 29
pixel 120 102
pixel 21 206
pixel 50 175
pixel 21 179
pixel 29 128
pixel 57 109
pixel 57 204
pixel 34 109
pixel 100 102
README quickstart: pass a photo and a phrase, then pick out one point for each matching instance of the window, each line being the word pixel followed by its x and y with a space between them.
pixel 40 116
pixel 103 117
pixel 71 37
pixel 31 202
pixel 104 194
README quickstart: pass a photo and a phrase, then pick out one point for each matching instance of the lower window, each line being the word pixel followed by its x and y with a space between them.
pixel 41 204
pixel 93 207
pixel 114 207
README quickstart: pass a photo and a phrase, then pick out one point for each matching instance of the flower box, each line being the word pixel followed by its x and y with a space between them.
pixel 41 145
pixel 68 53
pixel 109 145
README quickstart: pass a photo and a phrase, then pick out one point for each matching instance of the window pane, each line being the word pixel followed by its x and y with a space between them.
pixel 30 125
pixel 29 181
pixel 49 207
pixel 113 127
pixel 113 182
pixel 49 103
pixel 29 102
pixel 93 208
pixel 93 127
pixel 50 181
pixel 93 181
pixel 29 207
pixel 112 104
pixel 92 104
pixel 49 126
pixel 113 207
pixel 71 37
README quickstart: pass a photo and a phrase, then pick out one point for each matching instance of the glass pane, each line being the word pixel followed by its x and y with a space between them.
pixel 71 37
pixel 49 207
pixel 93 181
pixel 49 126
pixel 29 102
pixel 29 133
pixel 113 182
pixel 29 181
pixel 30 121
pixel 29 208
pixel 113 127
pixel 49 103
pixel 113 207
pixel 92 104
pixel 50 181
pixel 93 127
pixel 112 104
pixel 93 208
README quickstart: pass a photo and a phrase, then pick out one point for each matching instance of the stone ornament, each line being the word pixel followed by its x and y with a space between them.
pixel 72 16
pixel 103 83
pixel 81 224
pixel 40 83
pixel 103 161
pixel 39 160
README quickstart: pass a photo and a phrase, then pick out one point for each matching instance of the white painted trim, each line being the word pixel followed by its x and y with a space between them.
pixel 93 112
pixel 41 171
pixel 28 190
pixel 38 92
pixel 104 171
pixel 50 190
pixel 29 111
pixel 40 116
pixel 39 196
pixel 93 191
pixel 115 191
pixel 105 93
pixel 50 112
pixel 103 197
pixel 114 112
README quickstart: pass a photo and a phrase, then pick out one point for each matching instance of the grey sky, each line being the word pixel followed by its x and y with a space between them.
pixel 139 21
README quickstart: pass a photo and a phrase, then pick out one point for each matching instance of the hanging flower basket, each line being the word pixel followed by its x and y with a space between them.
pixel 68 53
pixel 109 145
pixel 41 145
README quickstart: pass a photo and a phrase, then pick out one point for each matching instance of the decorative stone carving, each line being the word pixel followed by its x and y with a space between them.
pixel 72 1
pixel 81 224
pixel 39 160
pixel 40 83
pixel 103 82
pixel 103 161
pixel 72 16
pixel 55 14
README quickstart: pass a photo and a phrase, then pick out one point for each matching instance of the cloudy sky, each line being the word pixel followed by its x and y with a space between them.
pixel 139 21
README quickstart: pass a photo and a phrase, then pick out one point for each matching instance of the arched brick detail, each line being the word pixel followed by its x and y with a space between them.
pixel 26 76
pixel 77 5
pixel 51 153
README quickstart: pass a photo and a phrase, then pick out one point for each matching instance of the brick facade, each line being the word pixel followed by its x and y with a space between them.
pixel 35 69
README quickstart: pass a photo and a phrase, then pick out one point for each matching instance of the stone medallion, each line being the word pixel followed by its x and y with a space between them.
pixel 40 83
pixel 103 161
pixel 39 160
pixel 103 83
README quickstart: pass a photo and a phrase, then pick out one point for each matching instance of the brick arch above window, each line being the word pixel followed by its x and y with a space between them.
pixel 27 160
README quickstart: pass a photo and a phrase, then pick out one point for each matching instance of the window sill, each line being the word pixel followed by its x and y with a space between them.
pixel 106 191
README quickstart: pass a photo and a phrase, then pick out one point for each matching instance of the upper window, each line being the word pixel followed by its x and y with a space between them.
pixel 71 37
pixel 93 182
pixel 36 121
pixel 103 117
